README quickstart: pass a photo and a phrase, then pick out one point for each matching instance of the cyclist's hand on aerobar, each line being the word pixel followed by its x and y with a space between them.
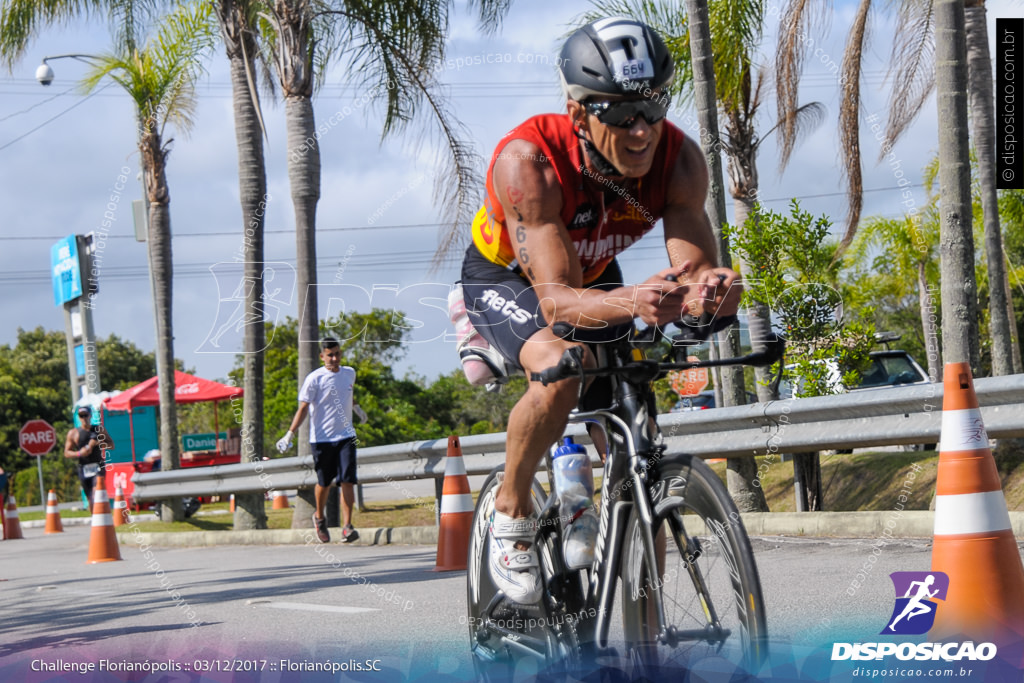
pixel 660 300
pixel 718 292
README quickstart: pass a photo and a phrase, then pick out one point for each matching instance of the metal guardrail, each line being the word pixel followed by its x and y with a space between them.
pixel 883 417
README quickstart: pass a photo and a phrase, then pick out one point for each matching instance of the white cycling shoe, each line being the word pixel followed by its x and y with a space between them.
pixel 515 571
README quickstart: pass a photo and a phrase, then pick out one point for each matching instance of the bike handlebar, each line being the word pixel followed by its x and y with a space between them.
pixel 571 363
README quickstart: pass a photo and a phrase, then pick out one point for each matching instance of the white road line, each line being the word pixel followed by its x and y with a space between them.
pixel 309 607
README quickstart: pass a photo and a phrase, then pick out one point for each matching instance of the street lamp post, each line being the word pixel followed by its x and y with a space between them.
pixel 78 326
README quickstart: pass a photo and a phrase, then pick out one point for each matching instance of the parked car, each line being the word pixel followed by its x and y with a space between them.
pixel 703 401
pixel 887 369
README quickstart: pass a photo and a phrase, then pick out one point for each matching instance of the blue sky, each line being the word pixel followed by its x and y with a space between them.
pixel 377 218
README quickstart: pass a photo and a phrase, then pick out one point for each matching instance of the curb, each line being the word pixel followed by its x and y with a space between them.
pixel 409 535
pixel 891 524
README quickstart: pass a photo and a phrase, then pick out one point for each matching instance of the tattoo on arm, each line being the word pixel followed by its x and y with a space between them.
pixel 515 195
pixel 524 258
pixel 520 233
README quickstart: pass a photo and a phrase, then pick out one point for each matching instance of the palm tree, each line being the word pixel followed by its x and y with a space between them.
pixel 729 382
pixel 959 290
pixel 979 65
pixel 238 21
pixel 913 56
pixel 904 249
pixel 391 49
pixel 160 78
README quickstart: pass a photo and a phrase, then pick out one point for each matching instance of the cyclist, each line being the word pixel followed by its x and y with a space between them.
pixel 565 194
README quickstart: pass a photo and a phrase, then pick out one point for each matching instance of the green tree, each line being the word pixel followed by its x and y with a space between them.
pixel 34 384
pixel 901 255
pixel 799 281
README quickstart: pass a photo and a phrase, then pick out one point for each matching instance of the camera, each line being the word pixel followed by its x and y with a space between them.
pixel 44 74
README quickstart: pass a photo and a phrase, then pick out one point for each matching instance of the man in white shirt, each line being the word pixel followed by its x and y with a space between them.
pixel 326 394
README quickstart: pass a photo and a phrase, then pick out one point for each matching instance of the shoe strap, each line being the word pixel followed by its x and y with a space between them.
pixel 514 528
pixel 519 560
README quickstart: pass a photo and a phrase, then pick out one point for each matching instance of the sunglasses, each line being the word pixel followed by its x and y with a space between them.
pixel 624 113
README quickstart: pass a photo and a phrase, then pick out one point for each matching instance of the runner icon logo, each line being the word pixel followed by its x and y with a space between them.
pixel 916 594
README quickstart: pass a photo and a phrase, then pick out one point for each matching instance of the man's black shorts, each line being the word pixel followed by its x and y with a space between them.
pixel 505 309
pixel 335 461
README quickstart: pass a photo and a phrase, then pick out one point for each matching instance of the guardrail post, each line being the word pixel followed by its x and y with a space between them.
pixel 359 505
pixel 438 493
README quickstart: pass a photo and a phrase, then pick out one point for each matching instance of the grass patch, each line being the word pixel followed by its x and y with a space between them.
pixel 41 514
pixel 856 482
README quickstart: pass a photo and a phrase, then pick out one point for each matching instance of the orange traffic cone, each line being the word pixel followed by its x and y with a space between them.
pixel 231 505
pixel 280 501
pixel 120 511
pixel 974 543
pixel 456 512
pixel 12 525
pixel 103 541
pixel 53 523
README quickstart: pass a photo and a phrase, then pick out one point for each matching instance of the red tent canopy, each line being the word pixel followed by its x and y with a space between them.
pixel 187 389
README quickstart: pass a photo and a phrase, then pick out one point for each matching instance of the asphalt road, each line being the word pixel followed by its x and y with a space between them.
pixel 379 606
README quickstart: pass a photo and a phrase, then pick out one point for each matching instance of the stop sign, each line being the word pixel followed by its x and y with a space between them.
pixel 37 437
pixel 689 382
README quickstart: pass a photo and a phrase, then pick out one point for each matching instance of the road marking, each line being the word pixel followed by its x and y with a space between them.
pixel 309 607
pixel 72 591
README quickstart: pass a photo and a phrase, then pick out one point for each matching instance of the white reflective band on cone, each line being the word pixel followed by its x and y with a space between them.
pixel 458 502
pixel 105 519
pixel 454 466
pixel 963 430
pixel 971 513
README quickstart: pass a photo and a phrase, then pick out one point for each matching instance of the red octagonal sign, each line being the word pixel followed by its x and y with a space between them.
pixel 37 437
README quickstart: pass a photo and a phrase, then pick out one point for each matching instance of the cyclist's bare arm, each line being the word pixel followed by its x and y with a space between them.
pixel 532 199
pixel 689 238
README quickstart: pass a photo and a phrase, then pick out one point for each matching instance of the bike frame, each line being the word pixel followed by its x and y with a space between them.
pixel 629 420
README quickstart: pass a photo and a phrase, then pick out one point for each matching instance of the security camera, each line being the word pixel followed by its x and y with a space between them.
pixel 44 74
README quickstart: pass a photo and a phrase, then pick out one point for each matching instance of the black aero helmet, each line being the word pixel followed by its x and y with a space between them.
pixel 614 56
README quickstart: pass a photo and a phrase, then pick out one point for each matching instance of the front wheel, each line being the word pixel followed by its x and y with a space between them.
pixel 706 576
pixel 510 641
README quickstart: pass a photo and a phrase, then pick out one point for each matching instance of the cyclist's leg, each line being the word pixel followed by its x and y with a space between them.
pixel 536 421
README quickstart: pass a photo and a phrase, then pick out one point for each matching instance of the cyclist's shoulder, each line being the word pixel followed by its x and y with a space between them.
pixel 689 170
pixel 545 137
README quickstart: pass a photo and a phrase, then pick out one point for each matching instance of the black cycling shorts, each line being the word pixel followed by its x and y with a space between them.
pixel 505 309
pixel 335 461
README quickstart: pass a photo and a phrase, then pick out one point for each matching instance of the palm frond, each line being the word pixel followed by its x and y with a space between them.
pixel 912 67
pixel 160 76
pixel 849 120
pixel 797 19
pixel 491 13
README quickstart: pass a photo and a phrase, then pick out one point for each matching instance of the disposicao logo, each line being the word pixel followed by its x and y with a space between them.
pixel 914 614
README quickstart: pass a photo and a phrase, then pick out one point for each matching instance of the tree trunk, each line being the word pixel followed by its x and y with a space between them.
pixel 959 291
pixel 979 65
pixel 929 324
pixel 729 386
pixel 252 185
pixel 294 56
pixel 759 323
pixel 161 266
pixel 304 178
